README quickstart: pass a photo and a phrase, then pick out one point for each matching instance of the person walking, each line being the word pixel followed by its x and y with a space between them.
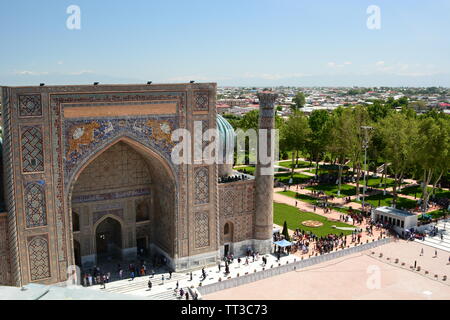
pixel 150 285
pixel 162 279
pixel 102 282
pixel 170 274
pixel 181 293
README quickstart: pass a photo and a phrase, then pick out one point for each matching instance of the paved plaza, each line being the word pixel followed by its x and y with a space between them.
pixel 351 277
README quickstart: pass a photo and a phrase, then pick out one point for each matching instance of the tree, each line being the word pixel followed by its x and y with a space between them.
pixel 285 232
pixel 378 110
pixel 249 120
pixel 399 135
pixel 356 135
pixel 299 101
pixel 319 122
pixel 294 134
pixel 432 152
pixel 339 123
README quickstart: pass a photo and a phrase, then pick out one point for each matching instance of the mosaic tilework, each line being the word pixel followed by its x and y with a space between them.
pixel 201 183
pixel 110 195
pixel 35 212
pixel 201 229
pixel 32 149
pixel 30 106
pixel 39 258
pixel 227 203
pixel 201 101
pixel 98 215
pixel 85 137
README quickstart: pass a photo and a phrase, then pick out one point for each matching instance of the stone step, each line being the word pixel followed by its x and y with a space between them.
pixel 435 245
pixel 438 241
pixel 143 284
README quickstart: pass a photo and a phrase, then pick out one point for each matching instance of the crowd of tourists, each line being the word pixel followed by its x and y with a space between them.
pixel 233 178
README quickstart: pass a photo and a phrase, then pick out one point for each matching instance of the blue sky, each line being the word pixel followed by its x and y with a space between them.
pixel 233 42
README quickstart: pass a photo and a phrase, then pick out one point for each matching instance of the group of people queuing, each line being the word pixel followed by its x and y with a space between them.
pixel 95 276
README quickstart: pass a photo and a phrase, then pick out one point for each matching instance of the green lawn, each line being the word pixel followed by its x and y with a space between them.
pixel 288 164
pixel 345 210
pixel 297 178
pixel 299 196
pixel 436 214
pixel 246 169
pixel 386 200
pixel 375 182
pixel 313 171
pixel 294 217
pixel 417 190
pixel 332 189
pixel 251 170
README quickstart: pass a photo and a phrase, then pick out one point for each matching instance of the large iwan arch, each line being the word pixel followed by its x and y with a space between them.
pixel 116 183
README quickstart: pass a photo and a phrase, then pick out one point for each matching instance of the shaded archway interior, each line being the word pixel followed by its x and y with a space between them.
pixel 130 184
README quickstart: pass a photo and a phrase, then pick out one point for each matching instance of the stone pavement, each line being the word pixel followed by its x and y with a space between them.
pixel 165 291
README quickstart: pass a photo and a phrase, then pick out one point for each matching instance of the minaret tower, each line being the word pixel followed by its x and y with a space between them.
pixel 264 173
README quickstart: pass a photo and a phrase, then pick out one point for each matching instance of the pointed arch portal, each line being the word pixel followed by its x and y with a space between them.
pixel 125 199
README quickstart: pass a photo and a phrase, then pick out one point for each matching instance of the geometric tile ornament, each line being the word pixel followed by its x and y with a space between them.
pixel 201 183
pixel 39 258
pixel 201 101
pixel 30 106
pixel 202 229
pixel 32 152
pixel 35 206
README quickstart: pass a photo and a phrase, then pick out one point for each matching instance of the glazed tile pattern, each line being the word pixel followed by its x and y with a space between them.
pixel 201 183
pixel 52 139
pixel 32 149
pixel 35 211
pixel 39 258
pixel 30 106
pixel 86 137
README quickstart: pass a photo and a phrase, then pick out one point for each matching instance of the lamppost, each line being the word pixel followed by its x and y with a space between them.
pixel 365 146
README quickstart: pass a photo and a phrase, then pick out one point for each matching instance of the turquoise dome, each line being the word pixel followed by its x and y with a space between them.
pixel 227 135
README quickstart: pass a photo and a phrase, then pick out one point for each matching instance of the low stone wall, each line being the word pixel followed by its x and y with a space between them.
pixel 231 283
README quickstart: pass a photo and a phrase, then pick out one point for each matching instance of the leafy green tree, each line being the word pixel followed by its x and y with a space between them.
pixel 294 134
pixel 319 122
pixel 432 152
pixel 378 110
pixel 399 135
pixel 249 120
pixel 339 145
pixel 299 101
pixel 356 135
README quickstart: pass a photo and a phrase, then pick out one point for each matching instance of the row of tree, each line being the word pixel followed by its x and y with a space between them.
pixel 401 143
